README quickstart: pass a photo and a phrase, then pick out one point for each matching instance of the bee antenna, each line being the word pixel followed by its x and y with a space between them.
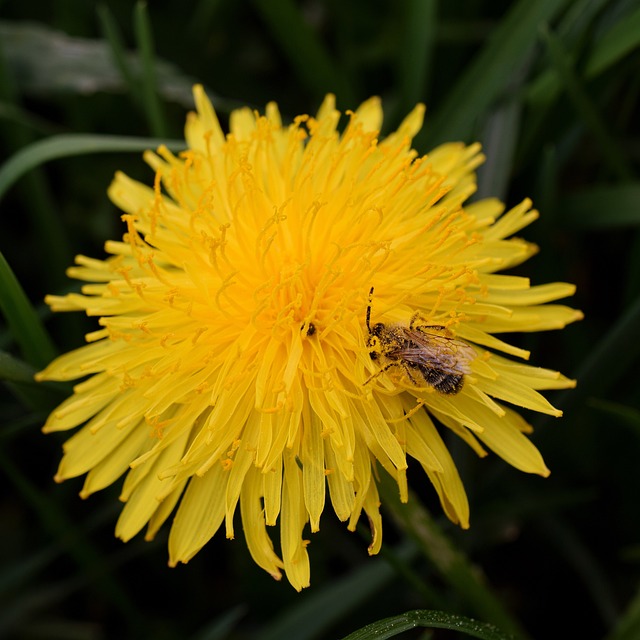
pixel 369 310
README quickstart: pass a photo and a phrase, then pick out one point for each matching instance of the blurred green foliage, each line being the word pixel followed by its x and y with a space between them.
pixel 550 87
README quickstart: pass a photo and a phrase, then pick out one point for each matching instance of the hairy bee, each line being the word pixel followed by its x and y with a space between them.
pixel 425 352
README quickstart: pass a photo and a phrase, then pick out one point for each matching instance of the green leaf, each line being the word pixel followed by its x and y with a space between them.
pixel 602 207
pixel 390 627
pixel 486 78
pixel 23 321
pixel 72 145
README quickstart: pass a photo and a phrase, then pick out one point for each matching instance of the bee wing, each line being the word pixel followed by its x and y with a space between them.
pixel 436 351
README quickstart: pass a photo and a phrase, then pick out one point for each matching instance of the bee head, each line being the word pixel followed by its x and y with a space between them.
pixel 378 329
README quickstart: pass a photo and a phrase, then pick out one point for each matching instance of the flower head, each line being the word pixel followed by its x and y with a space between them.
pixel 290 307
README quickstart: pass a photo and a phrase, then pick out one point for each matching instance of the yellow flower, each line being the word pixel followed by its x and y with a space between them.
pixel 235 360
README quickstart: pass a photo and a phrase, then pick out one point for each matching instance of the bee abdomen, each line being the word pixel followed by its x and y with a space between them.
pixel 442 381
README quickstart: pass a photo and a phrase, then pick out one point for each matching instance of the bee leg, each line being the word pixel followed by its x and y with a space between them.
pixel 377 373
pixel 420 323
pixel 408 371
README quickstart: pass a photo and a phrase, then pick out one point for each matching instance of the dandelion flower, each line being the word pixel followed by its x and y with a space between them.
pixel 277 323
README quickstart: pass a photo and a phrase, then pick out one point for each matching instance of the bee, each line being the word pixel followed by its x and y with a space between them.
pixel 424 352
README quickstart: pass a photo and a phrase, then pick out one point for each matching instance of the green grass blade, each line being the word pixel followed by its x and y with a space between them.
pixel 416 53
pixel 18 571
pixel 602 207
pixel 151 99
pixel 573 29
pixel 485 79
pixel 628 416
pixel 24 323
pixel 306 54
pixel 628 628
pixel 15 370
pixel 72 145
pixel 40 398
pixel 452 565
pixel 611 151
pixel 499 141
pixel 223 625
pixel 546 188
pixel 621 39
pixel 112 35
pixel 390 627
pixel 618 41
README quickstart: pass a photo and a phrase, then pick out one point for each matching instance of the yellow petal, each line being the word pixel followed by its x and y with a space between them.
pixel 258 541
pixel 199 516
